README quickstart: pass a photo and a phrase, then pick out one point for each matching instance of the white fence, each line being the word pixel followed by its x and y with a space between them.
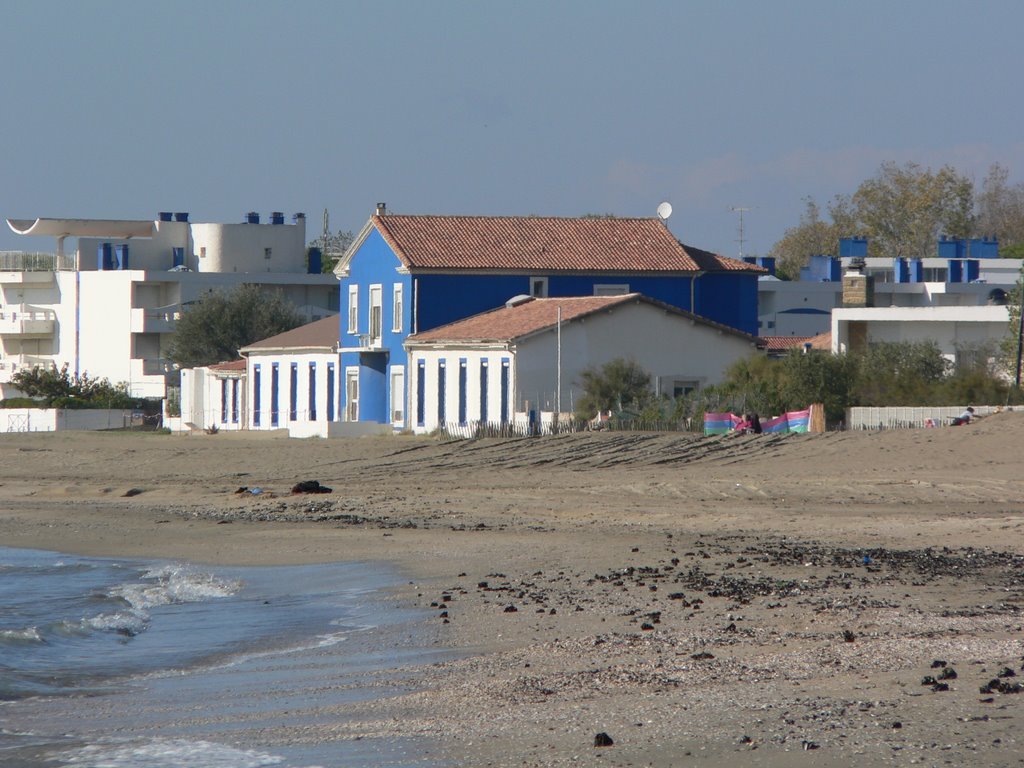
pixel 61 420
pixel 912 418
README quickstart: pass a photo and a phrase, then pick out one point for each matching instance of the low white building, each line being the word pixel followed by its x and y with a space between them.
pixel 214 397
pixel 961 333
pixel 108 307
pixel 529 354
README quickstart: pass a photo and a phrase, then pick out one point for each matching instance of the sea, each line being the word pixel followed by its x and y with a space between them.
pixel 111 663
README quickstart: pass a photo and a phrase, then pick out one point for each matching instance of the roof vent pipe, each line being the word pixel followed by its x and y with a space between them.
pixel 382 208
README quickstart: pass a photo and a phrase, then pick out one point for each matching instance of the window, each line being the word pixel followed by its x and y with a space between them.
pixel 376 312
pixel 462 390
pixel 539 287
pixel 396 308
pixel 483 391
pixel 293 392
pixel 256 395
pixel 611 289
pixel 330 392
pixel 441 411
pixel 275 383
pixel 421 392
pixel 223 401
pixel 202 252
pixel 312 391
pixel 353 309
pixel 683 388
pixel 504 390
pixel 234 401
pixel 352 394
pixel 267 252
pixel 398 394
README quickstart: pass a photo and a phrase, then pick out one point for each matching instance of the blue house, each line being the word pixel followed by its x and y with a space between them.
pixel 406 274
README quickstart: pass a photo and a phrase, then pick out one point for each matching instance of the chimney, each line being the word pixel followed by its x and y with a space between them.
pixel 382 208
pixel 858 286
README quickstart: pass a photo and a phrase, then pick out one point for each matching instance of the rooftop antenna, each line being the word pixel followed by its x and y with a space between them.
pixel 740 210
pixel 664 210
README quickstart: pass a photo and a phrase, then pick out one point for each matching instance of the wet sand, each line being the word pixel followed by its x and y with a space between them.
pixel 714 601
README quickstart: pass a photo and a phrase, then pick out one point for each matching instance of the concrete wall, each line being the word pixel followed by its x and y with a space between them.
pixel 61 420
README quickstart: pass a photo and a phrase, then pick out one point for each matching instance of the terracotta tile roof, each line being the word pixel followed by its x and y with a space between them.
pixel 228 367
pixel 320 333
pixel 534 315
pixel 545 243
pixel 781 343
pixel 777 343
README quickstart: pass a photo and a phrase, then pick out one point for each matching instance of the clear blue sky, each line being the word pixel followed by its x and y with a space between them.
pixel 123 109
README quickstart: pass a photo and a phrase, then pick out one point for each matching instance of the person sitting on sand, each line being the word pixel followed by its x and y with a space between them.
pixel 755 424
pixel 745 424
pixel 964 418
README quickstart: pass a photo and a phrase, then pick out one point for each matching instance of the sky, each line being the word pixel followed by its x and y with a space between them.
pixel 219 107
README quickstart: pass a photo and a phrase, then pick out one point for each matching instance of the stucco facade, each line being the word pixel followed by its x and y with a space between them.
pixel 114 316
pixel 458 380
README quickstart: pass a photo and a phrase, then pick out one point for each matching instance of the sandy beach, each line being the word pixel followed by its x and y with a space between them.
pixel 840 599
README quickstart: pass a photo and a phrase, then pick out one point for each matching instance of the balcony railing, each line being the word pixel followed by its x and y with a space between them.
pixel 161 320
pixel 27 323
pixel 25 261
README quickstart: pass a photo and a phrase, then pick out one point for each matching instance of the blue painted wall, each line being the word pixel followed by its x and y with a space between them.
pixel 437 299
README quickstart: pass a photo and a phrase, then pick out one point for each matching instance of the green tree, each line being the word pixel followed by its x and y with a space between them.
pixel 616 385
pixel 1001 212
pixel 904 209
pixel 56 387
pixel 213 328
pixel 899 373
pixel 818 377
pixel 813 236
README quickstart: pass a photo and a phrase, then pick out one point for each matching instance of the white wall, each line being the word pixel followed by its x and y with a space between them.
pixel 201 403
pixel 284 360
pixel 948 327
pixel 59 420
pixel 670 347
pixel 242 247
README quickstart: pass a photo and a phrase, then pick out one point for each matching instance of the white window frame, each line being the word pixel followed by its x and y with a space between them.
pixel 542 292
pixel 397 395
pixel 397 307
pixel 353 309
pixel 375 316
pixel 351 403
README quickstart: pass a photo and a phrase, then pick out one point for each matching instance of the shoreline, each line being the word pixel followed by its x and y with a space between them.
pixel 682 594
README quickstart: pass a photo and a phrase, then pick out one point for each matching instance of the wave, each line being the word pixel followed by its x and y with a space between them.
pixel 25 636
pixel 165 753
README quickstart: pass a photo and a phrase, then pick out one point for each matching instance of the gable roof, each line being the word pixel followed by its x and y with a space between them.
pixel 544 244
pixel 320 334
pixel 531 315
pixel 232 366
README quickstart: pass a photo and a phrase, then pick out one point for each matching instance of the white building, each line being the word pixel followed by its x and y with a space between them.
pixel 511 360
pixel 108 307
pixel 803 307
pixel 214 397
pixel 961 333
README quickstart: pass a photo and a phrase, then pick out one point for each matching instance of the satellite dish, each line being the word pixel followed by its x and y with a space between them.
pixel 664 210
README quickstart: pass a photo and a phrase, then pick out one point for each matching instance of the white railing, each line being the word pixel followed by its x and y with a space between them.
pixel 26 261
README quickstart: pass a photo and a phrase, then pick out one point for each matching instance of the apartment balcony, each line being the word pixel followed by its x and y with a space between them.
pixel 26 267
pixel 160 320
pixel 10 366
pixel 38 324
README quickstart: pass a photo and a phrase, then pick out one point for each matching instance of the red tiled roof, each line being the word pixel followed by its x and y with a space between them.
pixel 320 333
pixel 533 315
pixel 228 367
pixel 775 343
pixel 545 243
pixel 779 343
